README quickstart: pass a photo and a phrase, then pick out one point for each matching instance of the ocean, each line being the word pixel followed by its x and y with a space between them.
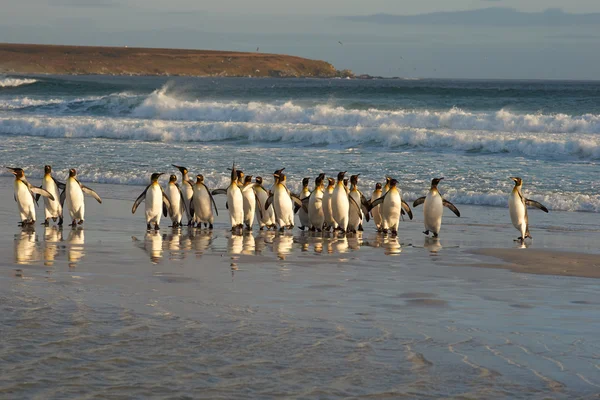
pixel 476 134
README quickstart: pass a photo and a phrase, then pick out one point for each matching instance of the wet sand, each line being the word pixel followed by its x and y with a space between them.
pixel 109 310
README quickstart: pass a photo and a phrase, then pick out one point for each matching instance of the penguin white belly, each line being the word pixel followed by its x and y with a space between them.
pixel 340 206
pixel 390 211
pixel 235 202
pixel 24 201
pixel 188 193
pixel 284 209
pixel 327 211
pixel 153 204
pixel 303 215
pixel 267 215
pixel 376 212
pixel 355 219
pixel 74 200
pixel 202 206
pixel 315 210
pixel 52 208
pixel 518 213
pixel 433 208
pixel 176 203
pixel 249 205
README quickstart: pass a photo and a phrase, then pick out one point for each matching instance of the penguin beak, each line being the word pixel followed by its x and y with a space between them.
pixel 13 170
pixel 181 169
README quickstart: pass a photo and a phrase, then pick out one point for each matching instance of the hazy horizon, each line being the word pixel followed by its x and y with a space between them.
pixel 490 44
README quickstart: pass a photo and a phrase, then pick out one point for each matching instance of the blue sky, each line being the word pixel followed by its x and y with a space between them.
pixel 310 28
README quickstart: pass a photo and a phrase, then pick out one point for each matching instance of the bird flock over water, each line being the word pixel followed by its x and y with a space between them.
pixel 332 204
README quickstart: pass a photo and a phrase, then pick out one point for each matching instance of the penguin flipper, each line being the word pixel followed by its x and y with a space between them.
pixel 364 203
pixel 213 200
pixel 305 202
pixel 218 191
pixel 297 202
pixel 419 201
pixel 258 205
pixel 63 196
pixel 354 207
pixel 453 208
pixel 182 199
pixel 269 201
pixel 91 192
pixel 137 201
pixel 533 203
pixel 166 204
pixel 40 192
pixel 37 197
pixel 406 208
pixel 377 202
pixel 192 207
pixel 58 184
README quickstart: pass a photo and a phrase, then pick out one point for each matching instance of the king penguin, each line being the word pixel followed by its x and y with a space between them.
pixel 235 201
pixel 517 207
pixel 156 202
pixel 187 188
pixel 177 199
pixel 267 217
pixel 327 209
pixel 251 202
pixel 391 208
pixel 302 213
pixel 73 194
pixel 376 211
pixel 355 221
pixel 340 205
pixel 202 204
pixel 283 202
pixel 433 208
pixel 24 196
pixel 314 207
pixel 52 208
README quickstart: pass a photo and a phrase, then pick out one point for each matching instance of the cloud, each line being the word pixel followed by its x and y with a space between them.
pixel 493 16
pixel 84 3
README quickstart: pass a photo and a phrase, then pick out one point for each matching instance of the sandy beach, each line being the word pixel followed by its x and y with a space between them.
pixel 110 309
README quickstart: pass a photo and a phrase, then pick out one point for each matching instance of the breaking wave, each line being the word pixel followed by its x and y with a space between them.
pixel 13 82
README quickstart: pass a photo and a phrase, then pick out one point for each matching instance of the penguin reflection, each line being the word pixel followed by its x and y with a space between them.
pixel 173 244
pixel 25 245
pixel 248 244
pixel 432 244
pixel 52 236
pixel 75 246
pixel 201 240
pixel 235 244
pixel 390 244
pixel 282 245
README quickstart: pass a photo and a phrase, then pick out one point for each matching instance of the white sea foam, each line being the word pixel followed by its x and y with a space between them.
pixel 580 145
pixel 13 82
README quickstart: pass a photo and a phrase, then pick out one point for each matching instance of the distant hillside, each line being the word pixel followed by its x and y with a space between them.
pixel 84 60
pixel 493 16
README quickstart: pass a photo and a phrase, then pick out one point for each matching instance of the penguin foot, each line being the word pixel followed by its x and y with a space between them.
pixel 60 221
pixel 210 227
pixel 301 227
pixel 426 232
pixel 394 232
pixel 74 223
pixel 80 222
pixel 45 223
pixel 190 223
pixel 282 229
pixel 435 235
pixel 360 228
pixel 156 227
pixel 148 226
pixel 261 228
pixel 290 227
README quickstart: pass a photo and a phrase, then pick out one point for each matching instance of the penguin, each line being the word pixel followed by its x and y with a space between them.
pixel 327 210
pixel 156 201
pixel 235 201
pixel 73 194
pixel 202 205
pixel 251 202
pixel 283 202
pixel 267 217
pixel 355 220
pixel 177 199
pixel 340 204
pixel 303 214
pixel 52 208
pixel 376 211
pixel 346 185
pixel 187 188
pixel 314 208
pixel 25 198
pixel 387 184
pixel 517 207
pixel 433 208
pixel 391 208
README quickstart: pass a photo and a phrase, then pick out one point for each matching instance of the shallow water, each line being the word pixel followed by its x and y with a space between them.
pixel 110 310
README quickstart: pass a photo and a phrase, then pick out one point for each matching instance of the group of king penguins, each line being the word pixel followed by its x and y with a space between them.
pixel 334 207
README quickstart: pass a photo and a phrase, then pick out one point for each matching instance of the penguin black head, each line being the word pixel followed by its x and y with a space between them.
pixel 518 181
pixel 393 182
pixel 319 180
pixel 341 176
pixel 172 178
pixel 321 176
pixel 47 169
pixel 248 179
pixel 305 182
pixel 354 179
pixel 281 177
pixel 233 173
pixel 72 173
pixel 378 186
pixel 18 172
pixel 155 176
pixel 279 171
pixel 258 180
pixel 387 180
pixel 331 181
pixel 183 170
pixel 346 182
pixel 435 182
pixel 199 178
